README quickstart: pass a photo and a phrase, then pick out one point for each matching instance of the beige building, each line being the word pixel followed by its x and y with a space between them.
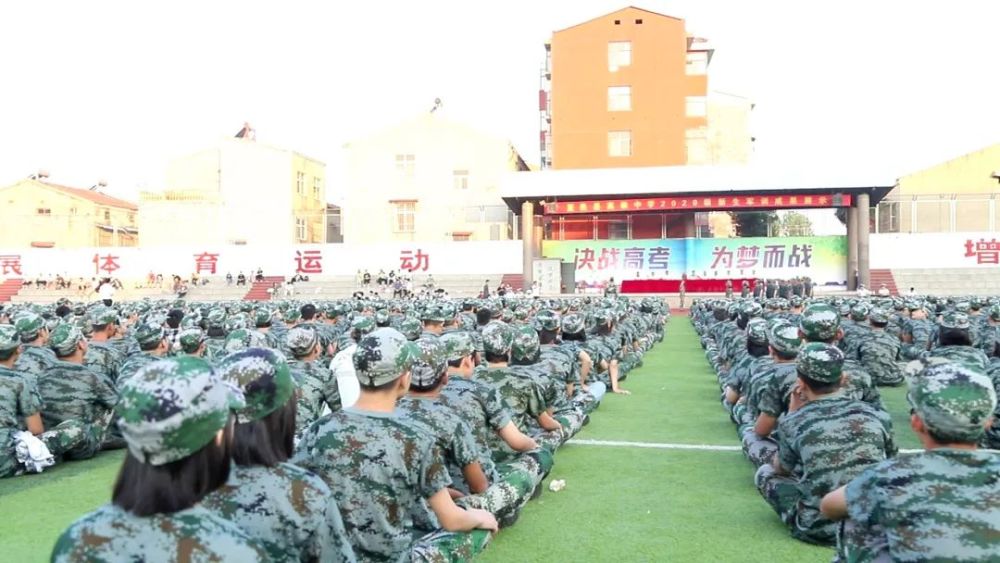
pixel 240 192
pixel 959 195
pixel 38 213
pixel 429 179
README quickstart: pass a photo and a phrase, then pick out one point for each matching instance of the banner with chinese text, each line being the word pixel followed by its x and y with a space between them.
pixel 824 259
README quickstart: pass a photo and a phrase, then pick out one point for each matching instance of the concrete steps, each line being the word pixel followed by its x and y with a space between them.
pixel 258 291
pixel 10 288
pixel 879 277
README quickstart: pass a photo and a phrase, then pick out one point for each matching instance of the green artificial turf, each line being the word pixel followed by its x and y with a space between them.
pixel 620 503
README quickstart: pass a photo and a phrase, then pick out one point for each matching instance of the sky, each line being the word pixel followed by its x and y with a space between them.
pixel 112 91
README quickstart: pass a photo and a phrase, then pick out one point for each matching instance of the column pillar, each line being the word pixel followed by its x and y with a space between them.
pixel 527 241
pixel 864 272
pixel 852 248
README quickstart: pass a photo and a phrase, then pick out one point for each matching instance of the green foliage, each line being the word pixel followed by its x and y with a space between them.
pixel 795 224
pixel 753 224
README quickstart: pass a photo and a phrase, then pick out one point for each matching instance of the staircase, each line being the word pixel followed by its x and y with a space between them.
pixel 879 277
pixel 258 291
pixel 10 288
pixel 516 281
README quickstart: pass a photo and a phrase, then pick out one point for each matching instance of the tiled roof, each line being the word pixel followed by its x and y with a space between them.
pixel 94 196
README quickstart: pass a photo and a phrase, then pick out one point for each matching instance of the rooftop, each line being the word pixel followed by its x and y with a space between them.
pixel 91 195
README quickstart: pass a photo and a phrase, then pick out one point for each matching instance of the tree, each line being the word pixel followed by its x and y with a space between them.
pixel 754 224
pixel 795 224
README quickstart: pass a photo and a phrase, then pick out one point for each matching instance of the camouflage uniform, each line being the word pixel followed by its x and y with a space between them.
pixel 317 386
pixel 938 505
pixel 771 394
pixel 167 413
pixel 290 511
pixel 381 468
pixel 878 353
pixel 968 356
pixel 822 446
pixel 147 334
pixel 105 359
pixel 18 400
pixel 34 361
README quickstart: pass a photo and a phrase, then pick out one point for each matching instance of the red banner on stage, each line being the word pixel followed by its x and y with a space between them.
pixel 692 203
pixel 690 286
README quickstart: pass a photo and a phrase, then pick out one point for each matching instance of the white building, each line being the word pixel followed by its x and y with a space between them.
pixel 240 192
pixel 429 179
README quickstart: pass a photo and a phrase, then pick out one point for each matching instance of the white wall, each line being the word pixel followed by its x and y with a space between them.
pixel 931 250
pixel 489 257
pixel 256 183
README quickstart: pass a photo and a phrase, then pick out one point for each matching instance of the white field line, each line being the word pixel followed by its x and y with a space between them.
pixel 662 446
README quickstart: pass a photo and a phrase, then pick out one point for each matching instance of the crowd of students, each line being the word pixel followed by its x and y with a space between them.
pixel 800 379
pixel 335 431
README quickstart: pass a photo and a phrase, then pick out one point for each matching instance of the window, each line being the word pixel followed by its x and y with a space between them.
pixel 317 186
pixel 300 183
pixel 44 211
pixel 695 106
pixel 404 216
pixel 405 164
pixel 107 215
pixel 460 179
pixel 697 63
pixel 460 237
pixel 619 55
pixel 619 98
pixel 619 143
pixel 300 229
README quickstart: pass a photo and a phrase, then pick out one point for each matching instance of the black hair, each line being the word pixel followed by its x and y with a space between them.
pixel 954 337
pixel 878 324
pixel 548 336
pixel 578 337
pixel 308 312
pixel 268 441
pixel 524 361
pixel 720 314
pixel 8 354
pixel 455 363
pixel 818 387
pixel 174 318
pixel 492 358
pixel 146 490
pixel 438 382
pixel 63 311
pixel 785 355
pixel 378 388
pixel 483 316
pixel 757 350
pixel 602 330
pixel 149 346
pixel 742 320
pixel 101 328
pixel 215 332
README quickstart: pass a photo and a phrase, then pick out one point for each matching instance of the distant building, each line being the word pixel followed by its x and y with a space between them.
pixel 240 192
pixel 428 179
pixel 959 195
pixel 38 213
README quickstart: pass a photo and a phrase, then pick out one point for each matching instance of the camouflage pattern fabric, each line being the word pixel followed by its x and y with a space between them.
pixel 904 509
pixel 822 446
pixel 288 510
pixel 453 436
pixel 514 486
pixel 317 389
pixel 18 400
pixel 134 363
pixel 482 406
pixel 104 359
pixel 968 356
pixel 74 392
pixel 35 361
pixel 381 468
pixel 878 354
pixel 112 534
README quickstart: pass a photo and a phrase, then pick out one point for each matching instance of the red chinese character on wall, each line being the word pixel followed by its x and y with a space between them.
pixel 985 251
pixel 10 265
pixel 584 258
pixel 412 262
pixel 106 264
pixel 205 262
pixel 308 262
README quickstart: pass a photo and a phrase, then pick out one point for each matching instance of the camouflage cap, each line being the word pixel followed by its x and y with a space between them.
pixel 879 315
pixel 104 316
pixel 820 362
pixel 411 328
pixel 148 334
pixel 190 339
pixel 84 324
pixel 262 318
pixel 784 337
pixel 381 317
pixel 301 341
pixel 506 315
pixel 994 314
pixel 521 314
pixel 9 339
pixel 383 357
pixel 364 325
pixel 548 320
pixel 819 322
pixel 29 325
pixel 757 331
pixel 955 320
pixel 952 400
pixel 498 338
pixel 467 322
pixel 264 378
pixel 573 323
pixel 526 344
pixel 237 341
pixel 171 409
pixel 433 312
pixel 859 312
pixel 457 345
pixel 430 364
pixel 795 301
pixel 216 318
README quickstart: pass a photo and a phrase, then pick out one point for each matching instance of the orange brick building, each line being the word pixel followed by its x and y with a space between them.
pixel 626 89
